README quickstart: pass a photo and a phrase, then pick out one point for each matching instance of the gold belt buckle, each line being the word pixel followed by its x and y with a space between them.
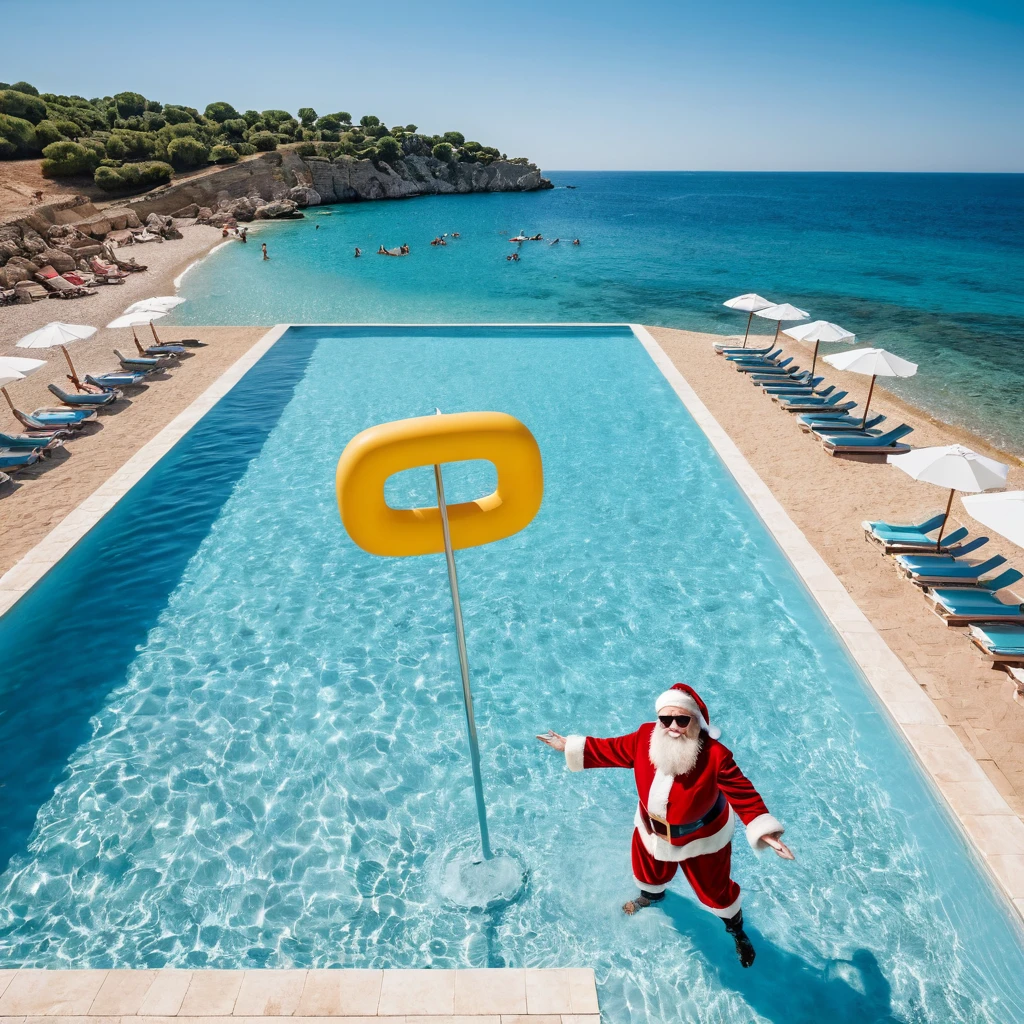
pixel 661 821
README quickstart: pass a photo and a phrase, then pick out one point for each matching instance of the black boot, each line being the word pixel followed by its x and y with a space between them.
pixel 645 899
pixel 744 947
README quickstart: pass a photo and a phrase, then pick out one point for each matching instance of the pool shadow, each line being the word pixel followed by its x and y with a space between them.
pixel 783 987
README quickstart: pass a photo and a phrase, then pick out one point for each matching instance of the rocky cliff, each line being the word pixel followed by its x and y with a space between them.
pixel 283 176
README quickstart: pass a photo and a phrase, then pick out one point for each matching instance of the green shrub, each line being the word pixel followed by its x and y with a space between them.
pixel 130 146
pixel 133 176
pixel 388 149
pixel 130 104
pixel 369 153
pixel 455 138
pixel 272 118
pixel 22 105
pixel 235 127
pixel 369 121
pixel 328 136
pixel 62 159
pixel 411 129
pixel 188 152
pixel 47 132
pixel 251 117
pixel 307 115
pixel 179 131
pixel 29 90
pixel 263 141
pixel 306 149
pixel 18 136
pixel 221 111
pixel 177 115
pixel 223 155
pixel 244 148
pixel 442 151
pixel 154 122
pixel 68 129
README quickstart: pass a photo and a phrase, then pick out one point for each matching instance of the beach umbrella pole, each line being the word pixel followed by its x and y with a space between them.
pixel 750 316
pixel 71 366
pixel 942 528
pixel 8 397
pixel 460 637
pixel 867 404
pixel 814 360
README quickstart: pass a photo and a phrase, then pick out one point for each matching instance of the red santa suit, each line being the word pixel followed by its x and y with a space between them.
pixel 683 821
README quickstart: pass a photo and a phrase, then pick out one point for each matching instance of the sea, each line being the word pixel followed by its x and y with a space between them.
pixel 929 266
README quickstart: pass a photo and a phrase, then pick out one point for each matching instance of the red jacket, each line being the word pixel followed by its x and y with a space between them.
pixel 680 799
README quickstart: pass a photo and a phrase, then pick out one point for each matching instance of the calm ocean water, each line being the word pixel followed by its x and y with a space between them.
pixel 928 266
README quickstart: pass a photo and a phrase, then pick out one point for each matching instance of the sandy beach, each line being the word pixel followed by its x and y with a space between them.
pixel 826 497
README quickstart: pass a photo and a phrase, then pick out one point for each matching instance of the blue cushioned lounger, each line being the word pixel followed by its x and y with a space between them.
pixel 87 398
pixel 112 381
pixel 999 642
pixel 12 461
pixel 814 403
pixel 724 348
pixel 48 419
pixel 888 443
pixel 954 573
pixel 26 442
pixel 977 604
pixel 924 560
pixel 753 357
pixel 144 362
pixel 782 369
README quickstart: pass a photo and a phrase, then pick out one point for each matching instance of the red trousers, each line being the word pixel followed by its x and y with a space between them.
pixel 708 876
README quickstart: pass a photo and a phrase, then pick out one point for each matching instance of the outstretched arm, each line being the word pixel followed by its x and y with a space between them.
pixel 763 829
pixel 590 752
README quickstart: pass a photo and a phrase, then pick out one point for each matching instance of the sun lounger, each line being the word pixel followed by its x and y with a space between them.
pixel 814 403
pixel 960 606
pixel 855 434
pixel 724 348
pixel 922 559
pixel 752 357
pixel 61 289
pixel 12 461
pixel 957 574
pixel 48 419
pixel 26 442
pixel 145 362
pixel 887 444
pixel 999 642
pixel 788 385
pixel 160 350
pixel 86 399
pixel 835 421
pixel 112 381
pixel 782 369
pixel 4 478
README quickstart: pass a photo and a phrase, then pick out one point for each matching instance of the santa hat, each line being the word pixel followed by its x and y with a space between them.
pixel 683 696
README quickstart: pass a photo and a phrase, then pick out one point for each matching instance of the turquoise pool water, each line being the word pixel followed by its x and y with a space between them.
pixel 930 266
pixel 232 739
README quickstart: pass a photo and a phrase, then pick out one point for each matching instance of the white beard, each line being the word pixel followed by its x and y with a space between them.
pixel 671 755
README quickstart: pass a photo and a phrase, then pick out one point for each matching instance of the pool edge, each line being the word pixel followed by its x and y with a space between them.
pixel 37 562
pixel 984 816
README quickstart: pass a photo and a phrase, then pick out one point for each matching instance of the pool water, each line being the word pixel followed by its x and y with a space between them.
pixel 232 739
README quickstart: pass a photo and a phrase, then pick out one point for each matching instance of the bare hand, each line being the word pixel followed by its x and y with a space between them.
pixel 776 843
pixel 553 739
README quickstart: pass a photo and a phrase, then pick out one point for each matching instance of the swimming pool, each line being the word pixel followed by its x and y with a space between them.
pixel 232 739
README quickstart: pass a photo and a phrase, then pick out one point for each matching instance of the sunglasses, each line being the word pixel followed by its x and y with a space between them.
pixel 681 720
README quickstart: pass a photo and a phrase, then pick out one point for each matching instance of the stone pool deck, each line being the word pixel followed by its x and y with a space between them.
pixel 464 996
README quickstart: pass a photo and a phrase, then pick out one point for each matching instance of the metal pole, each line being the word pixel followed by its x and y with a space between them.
pixel 460 636
pixel 750 316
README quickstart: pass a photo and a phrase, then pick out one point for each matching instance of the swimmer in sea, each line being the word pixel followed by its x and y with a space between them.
pixel 264 248
pixel 554 241
pixel 359 252
pixel 575 241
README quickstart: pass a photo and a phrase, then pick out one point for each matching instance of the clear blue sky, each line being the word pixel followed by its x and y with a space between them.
pixel 860 85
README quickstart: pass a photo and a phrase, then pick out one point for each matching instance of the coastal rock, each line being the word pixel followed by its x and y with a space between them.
pixel 303 196
pixel 8 248
pixel 28 291
pixel 204 215
pixel 27 265
pixel 96 228
pixel 187 212
pixel 10 276
pixel 83 252
pixel 132 220
pixel 277 210
pixel 32 242
pixel 60 261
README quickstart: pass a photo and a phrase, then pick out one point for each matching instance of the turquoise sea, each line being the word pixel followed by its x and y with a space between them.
pixel 930 266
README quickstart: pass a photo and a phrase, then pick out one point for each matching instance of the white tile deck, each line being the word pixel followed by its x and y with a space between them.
pixel 981 811
pixel 493 996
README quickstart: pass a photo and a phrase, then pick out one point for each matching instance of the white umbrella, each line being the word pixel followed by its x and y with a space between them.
pixel 56 333
pixel 780 312
pixel 952 466
pixel 875 361
pixel 138 319
pixel 750 304
pixel 1004 513
pixel 819 331
pixel 160 303
pixel 14 368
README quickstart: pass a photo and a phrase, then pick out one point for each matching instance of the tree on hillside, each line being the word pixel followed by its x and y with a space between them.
pixel 369 121
pixel 388 149
pixel 130 104
pixel 307 115
pixel 221 111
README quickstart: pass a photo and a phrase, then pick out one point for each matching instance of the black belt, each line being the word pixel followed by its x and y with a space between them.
pixel 662 828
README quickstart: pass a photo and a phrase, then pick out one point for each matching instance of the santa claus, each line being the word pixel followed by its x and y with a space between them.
pixel 691 792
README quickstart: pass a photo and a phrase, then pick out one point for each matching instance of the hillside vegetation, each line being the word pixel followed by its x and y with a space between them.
pixel 127 142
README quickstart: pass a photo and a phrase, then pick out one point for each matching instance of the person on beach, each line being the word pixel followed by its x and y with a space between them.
pixel 359 252
pixel 691 792
pixel 264 248
pixel 244 234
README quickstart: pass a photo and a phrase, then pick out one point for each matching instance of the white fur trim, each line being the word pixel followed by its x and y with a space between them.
pixel 574 752
pixel 725 912
pixel 763 825
pixel 661 849
pixel 650 886
pixel 680 699
pixel 657 798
